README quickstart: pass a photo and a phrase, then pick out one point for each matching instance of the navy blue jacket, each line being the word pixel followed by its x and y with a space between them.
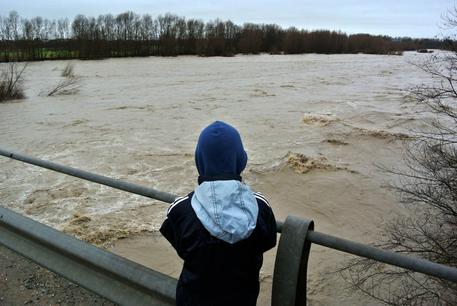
pixel 215 272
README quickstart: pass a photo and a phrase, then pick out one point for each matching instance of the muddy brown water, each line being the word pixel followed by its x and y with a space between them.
pixel 316 128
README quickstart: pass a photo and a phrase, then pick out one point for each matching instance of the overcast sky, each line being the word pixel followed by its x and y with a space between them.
pixel 392 17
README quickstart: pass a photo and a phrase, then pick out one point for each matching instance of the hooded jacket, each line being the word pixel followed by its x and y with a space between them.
pixel 221 229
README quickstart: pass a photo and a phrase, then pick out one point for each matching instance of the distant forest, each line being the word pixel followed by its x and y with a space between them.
pixel 131 34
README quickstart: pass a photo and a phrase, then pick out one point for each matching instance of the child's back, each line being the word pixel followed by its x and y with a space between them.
pixel 222 229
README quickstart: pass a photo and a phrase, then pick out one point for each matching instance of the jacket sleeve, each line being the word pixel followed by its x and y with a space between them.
pixel 169 232
pixel 169 229
pixel 268 224
pixel 270 242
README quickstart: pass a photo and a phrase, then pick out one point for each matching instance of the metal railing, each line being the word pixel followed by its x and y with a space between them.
pixel 127 283
pixel 116 278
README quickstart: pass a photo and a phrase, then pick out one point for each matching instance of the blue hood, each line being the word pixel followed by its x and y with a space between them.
pixel 219 152
pixel 227 209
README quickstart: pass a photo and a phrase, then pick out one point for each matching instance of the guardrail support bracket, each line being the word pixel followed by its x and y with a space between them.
pixel 291 265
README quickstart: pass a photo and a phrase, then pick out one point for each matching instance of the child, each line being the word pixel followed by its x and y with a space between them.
pixel 222 228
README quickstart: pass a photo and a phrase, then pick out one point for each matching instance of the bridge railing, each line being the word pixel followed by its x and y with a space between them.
pixel 128 283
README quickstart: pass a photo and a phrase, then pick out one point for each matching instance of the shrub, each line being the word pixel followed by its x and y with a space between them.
pixel 11 82
pixel 69 85
pixel 68 71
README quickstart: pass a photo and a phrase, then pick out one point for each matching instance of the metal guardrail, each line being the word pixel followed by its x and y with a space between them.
pixel 88 176
pixel 127 283
pixel 118 279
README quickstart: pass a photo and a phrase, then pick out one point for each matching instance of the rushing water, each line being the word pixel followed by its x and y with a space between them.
pixel 315 128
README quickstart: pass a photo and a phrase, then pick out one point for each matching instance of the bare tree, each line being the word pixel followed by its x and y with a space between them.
pixel 429 189
pixel 130 34
pixel 11 82
pixel 69 85
pixel 63 28
pixel 28 29
pixel 14 24
pixel 68 71
pixel 251 39
pixel 37 25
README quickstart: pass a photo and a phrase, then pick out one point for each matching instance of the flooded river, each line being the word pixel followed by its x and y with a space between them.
pixel 316 129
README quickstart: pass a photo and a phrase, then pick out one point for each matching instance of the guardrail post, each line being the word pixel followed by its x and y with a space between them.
pixel 291 264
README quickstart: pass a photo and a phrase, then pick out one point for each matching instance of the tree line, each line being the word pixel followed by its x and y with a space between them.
pixel 131 34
